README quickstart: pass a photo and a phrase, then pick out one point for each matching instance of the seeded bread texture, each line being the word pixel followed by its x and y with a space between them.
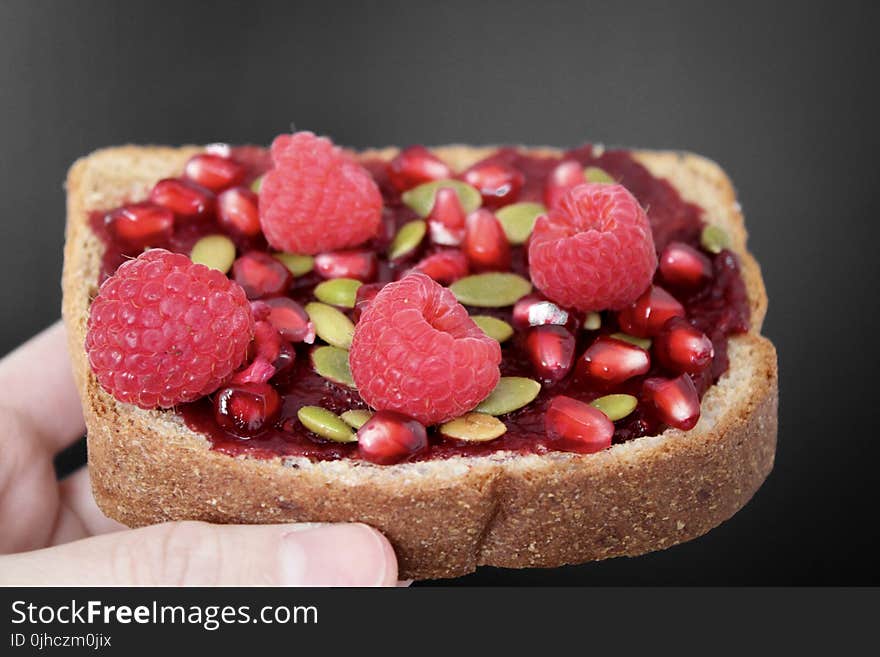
pixel 444 517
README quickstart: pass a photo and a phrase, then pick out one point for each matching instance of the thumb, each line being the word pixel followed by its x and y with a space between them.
pixel 201 554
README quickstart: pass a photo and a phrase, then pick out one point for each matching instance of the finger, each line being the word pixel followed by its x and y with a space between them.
pixel 79 515
pixel 28 488
pixel 199 554
pixel 37 383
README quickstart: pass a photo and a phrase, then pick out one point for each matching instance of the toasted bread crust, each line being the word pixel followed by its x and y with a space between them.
pixel 444 517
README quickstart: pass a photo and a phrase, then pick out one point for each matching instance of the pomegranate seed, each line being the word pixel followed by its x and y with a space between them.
pixel 551 352
pixel 416 165
pixel 565 176
pixel 499 183
pixel 681 347
pixel 387 227
pixel 574 426
pixel 521 309
pixel 485 243
pixel 259 371
pixel 445 266
pixel 646 316
pixel 290 320
pixel 268 344
pixel 285 361
pixel 446 222
pixel 389 437
pixel 674 400
pixel 368 292
pixel 214 172
pixel 246 408
pixel 546 312
pixel 267 341
pixel 260 310
pixel 681 265
pixel 362 265
pixel 362 298
pixel 609 361
pixel 263 350
pixel 237 211
pixel 223 149
pixel 182 197
pixel 261 275
pixel 535 310
pixel 256 159
pixel 141 224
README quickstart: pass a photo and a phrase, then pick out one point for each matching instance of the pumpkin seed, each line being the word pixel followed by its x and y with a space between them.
pixel 356 418
pixel 255 186
pixel 332 364
pixel 407 239
pixel 511 393
pixel 421 198
pixel 331 325
pixel 616 407
pixel 326 424
pixel 714 239
pixel 493 327
pixel 518 220
pixel 597 175
pixel 593 321
pixel 299 265
pixel 214 251
pixel 644 343
pixel 491 290
pixel 338 291
pixel 475 427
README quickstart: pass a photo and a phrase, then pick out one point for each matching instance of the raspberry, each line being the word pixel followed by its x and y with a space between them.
pixel 317 198
pixel 164 330
pixel 594 251
pixel 417 352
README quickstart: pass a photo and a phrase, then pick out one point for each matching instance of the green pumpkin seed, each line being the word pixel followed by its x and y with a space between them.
pixel 332 364
pixel 597 175
pixel 214 251
pixel 326 424
pixel 255 186
pixel 518 220
pixel 491 290
pixel 356 418
pixel 644 343
pixel 299 265
pixel 616 407
pixel 338 292
pixel 407 239
pixel 331 326
pixel 475 427
pixel 593 321
pixel 714 239
pixel 421 198
pixel 511 393
pixel 493 327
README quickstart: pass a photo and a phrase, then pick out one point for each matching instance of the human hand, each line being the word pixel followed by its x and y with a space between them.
pixel 54 534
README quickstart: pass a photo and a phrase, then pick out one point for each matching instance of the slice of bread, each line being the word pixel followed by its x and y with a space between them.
pixel 444 517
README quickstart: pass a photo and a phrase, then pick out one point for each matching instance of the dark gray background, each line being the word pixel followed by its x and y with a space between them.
pixel 782 95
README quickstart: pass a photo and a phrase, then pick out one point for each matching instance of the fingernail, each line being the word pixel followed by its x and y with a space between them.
pixel 336 555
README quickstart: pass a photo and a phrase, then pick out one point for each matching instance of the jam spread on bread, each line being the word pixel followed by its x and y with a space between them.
pixel 527 304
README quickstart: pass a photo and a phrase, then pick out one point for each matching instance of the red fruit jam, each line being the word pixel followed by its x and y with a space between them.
pixel 717 306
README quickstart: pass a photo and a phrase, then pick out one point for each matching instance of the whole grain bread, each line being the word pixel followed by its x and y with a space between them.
pixel 444 517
